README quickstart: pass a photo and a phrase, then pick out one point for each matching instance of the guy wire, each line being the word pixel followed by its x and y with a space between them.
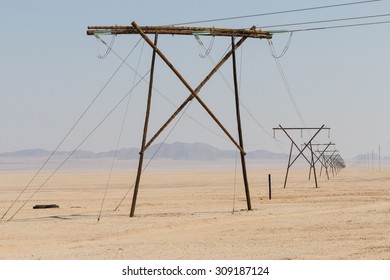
pixel 70 131
pixel 120 135
pixel 82 142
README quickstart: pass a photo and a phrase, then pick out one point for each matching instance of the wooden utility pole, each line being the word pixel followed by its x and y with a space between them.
pixel 143 31
pixel 241 141
pixel 321 156
pixel 307 145
pixel 146 123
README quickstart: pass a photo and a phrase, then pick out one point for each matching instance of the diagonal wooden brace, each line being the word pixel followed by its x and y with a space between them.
pixel 307 144
pixel 197 90
pixel 193 93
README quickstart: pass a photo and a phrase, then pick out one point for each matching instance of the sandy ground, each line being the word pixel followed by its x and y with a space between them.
pixel 187 213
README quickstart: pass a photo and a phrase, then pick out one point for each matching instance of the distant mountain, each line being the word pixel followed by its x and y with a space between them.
pixel 366 157
pixel 263 154
pixel 26 153
pixel 175 151
pixel 186 151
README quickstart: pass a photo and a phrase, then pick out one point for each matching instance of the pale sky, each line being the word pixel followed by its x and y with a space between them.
pixel 50 72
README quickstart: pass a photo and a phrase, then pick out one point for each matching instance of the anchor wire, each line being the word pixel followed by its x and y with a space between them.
pixel 69 132
pixel 82 142
pixel 119 136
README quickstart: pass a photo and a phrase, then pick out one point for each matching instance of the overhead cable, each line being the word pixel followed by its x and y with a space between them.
pixel 286 84
pixel 339 26
pixel 321 21
pixel 276 13
pixel 109 47
pixel 285 49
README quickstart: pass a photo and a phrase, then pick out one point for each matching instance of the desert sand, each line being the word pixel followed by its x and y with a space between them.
pixel 198 212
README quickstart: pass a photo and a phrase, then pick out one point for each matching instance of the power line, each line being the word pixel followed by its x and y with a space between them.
pixel 323 21
pixel 277 12
pixel 339 26
pixel 285 82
